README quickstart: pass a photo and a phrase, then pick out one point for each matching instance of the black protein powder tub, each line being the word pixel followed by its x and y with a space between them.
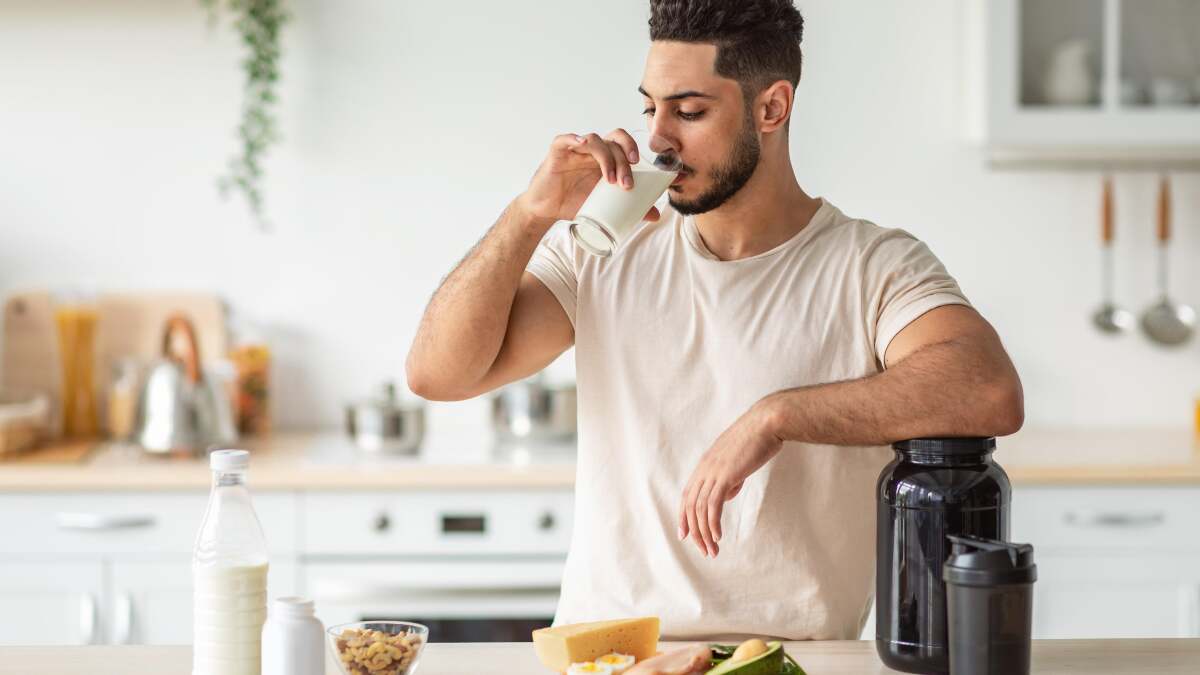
pixel 934 487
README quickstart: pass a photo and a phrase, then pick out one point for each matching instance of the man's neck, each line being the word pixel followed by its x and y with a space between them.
pixel 769 209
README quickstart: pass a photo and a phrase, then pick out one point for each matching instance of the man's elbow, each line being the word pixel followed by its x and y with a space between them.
pixel 424 383
pixel 1005 409
pixel 422 386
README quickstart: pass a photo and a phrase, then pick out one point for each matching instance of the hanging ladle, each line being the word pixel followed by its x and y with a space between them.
pixel 1165 322
pixel 1109 318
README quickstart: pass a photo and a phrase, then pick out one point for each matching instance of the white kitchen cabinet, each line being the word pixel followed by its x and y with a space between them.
pixel 150 603
pixel 1112 561
pixel 1117 595
pixel 128 579
pixel 50 602
pixel 1132 45
pixel 126 524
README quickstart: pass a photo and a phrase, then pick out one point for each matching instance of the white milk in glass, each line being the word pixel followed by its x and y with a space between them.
pixel 611 212
pixel 229 576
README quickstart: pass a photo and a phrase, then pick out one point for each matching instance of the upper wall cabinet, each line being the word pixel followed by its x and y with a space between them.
pixel 1087 83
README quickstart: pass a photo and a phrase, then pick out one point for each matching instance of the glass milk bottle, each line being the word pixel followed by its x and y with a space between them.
pixel 229 575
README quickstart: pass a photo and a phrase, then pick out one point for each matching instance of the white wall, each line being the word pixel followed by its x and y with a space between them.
pixel 410 124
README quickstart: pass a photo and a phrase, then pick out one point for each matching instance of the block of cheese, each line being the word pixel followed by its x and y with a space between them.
pixel 560 646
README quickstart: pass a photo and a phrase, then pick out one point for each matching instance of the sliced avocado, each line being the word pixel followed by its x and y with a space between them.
pixel 769 662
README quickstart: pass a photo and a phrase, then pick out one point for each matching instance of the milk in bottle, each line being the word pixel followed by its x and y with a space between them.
pixel 229 575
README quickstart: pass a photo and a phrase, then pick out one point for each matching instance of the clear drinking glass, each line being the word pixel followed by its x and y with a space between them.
pixel 611 212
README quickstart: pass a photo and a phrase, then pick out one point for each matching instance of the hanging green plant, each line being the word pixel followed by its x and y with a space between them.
pixel 258 22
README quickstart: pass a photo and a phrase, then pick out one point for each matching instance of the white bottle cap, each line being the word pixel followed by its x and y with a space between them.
pixel 229 460
pixel 292 606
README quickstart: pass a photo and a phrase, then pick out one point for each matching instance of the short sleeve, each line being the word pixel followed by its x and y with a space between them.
pixel 903 279
pixel 553 263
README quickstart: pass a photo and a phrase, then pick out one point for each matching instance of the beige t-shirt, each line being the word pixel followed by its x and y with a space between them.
pixel 672 345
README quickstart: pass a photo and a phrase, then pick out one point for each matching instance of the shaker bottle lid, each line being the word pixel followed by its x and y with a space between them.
pixel 229 460
pixel 976 561
pixel 948 446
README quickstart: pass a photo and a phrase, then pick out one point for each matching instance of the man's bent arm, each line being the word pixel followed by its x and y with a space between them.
pixel 947 375
pixel 490 322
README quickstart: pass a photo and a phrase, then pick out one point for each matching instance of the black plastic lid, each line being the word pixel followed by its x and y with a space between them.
pixel 975 561
pixel 948 446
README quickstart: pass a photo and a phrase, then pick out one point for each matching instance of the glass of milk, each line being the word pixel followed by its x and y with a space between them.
pixel 229 575
pixel 611 212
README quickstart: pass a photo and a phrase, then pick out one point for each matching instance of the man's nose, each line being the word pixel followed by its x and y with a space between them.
pixel 662 138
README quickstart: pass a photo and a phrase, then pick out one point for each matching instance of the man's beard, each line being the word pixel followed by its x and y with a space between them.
pixel 727 178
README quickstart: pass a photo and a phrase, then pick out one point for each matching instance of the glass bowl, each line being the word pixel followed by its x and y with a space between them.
pixel 351 642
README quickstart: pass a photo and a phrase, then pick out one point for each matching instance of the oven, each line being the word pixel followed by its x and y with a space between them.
pixel 474 566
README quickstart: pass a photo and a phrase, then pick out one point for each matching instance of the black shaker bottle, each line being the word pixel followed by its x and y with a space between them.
pixel 989 601
pixel 933 487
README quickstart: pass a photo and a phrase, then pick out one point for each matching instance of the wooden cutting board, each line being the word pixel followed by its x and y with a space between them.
pixel 62 452
pixel 130 325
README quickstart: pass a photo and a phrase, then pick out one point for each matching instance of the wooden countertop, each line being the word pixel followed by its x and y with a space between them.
pixel 307 461
pixel 467 458
pixel 1050 657
pixel 1101 457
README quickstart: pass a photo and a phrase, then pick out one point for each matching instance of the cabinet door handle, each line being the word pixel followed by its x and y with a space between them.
pixel 381 523
pixel 1116 518
pixel 87 619
pixel 123 619
pixel 95 522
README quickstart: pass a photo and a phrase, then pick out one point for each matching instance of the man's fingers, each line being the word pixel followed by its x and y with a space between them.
pixel 683 521
pixel 689 510
pixel 593 145
pixel 628 145
pixel 701 509
pixel 565 141
pixel 611 155
pixel 716 504
pixel 621 162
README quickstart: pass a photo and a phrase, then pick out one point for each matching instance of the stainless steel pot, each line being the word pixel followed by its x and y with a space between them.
pixel 181 409
pixel 385 425
pixel 533 410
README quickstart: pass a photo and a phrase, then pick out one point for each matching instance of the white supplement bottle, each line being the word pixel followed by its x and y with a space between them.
pixel 293 639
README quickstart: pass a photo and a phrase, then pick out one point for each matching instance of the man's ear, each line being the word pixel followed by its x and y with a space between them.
pixel 775 106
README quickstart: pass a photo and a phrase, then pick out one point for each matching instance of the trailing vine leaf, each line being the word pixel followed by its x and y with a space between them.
pixel 258 23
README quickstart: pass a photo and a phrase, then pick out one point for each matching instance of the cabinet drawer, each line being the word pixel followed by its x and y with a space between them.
pixel 51 602
pixel 1114 518
pixel 1126 594
pixel 125 523
pixel 435 523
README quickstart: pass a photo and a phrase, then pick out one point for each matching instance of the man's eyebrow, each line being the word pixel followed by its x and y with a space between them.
pixel 690 93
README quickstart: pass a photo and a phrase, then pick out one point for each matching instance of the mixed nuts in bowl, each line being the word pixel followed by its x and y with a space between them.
pixel 378 647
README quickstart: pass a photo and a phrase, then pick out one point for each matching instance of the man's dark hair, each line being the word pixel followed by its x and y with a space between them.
pixel 758 41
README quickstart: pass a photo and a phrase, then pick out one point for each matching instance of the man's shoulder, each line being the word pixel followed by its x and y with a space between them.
pixel 855 235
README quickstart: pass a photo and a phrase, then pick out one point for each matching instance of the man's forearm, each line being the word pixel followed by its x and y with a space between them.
pixel 464 325
pixel 952 388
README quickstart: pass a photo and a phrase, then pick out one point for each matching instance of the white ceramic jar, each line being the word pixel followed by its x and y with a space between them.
pixel 293 639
